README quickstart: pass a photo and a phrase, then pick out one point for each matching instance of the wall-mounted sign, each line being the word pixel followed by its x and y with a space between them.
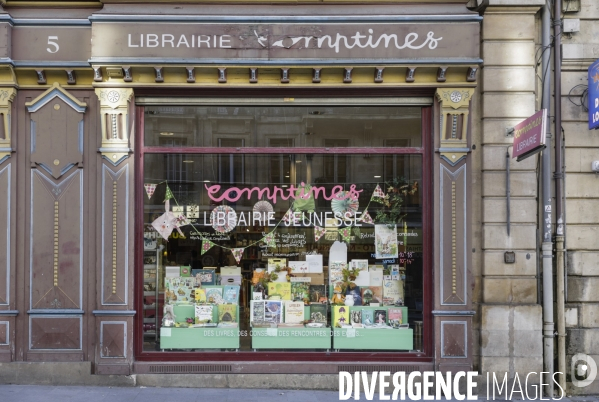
pixel 214 43
pixel 594 96
pixel 529 136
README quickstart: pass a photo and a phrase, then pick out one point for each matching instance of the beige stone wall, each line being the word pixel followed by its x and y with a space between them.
pixel 510 318
pixel 580 49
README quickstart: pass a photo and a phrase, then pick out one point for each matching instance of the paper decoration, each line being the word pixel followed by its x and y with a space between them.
pixel 263 208
pixel 366 218
pixel 378 195
pixel 298 267
pixel 345 234
pixel 206 245
pixel 269 240
pixel 150 188
pixel 167 222
pixel 318 232
pixel 345 207
pixel 288 216
pixel 223 218
pixel 193 211
pixel 357 232
pixel 169 194
pixel 237 253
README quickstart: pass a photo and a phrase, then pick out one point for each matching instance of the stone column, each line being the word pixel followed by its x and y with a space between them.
pixel 510 315
pixel 114 312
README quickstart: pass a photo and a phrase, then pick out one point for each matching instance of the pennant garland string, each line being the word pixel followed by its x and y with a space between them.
pixel 366 218
pixel 150 188
pixel 168 194
pixel 269 240
pixel 378 195
pixel 206 245
pixel 345 234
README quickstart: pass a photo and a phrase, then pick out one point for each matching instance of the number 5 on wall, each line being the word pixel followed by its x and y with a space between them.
pixel 51 42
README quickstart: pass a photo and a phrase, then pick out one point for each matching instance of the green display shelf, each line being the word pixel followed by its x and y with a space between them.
pixel 291 338
pixel 374 339
pixel 198 338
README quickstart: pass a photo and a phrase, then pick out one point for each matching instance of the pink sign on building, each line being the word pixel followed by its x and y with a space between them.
pixel 529 136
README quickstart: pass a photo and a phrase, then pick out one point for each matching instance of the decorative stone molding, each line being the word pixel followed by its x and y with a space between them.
pixel 114 110
pixel 7 95
pixel 455 107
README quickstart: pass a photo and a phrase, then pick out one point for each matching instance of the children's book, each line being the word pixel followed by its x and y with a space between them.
pixel 214 294
pixel 355 293
pixel 231 294
pixel 392 292
pixel 227 313
pixel 318 313
pixel 294 312
pixel 367 317
pixel 395 317
pixel 340 316
pixel 273 311
pixel 371 294
pixel 318 293
pixel 300 291
pixel 203 313
pixel 279 289
pixel 257 308
pixel 380 317
pixel 336 272
pixel 200 295
pixel 355 317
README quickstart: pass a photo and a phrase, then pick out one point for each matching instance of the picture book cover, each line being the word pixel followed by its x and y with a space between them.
pixel 300 291
pixel 257 310
pixel 214 294
pixel 385 241
pixel 380 317
pixel 318 294
pixel 200 295
pixel 362 265
pixel 203 313
pixel 227 313
pixel 340 315
pixel 273 311
pixel 294 312
pixel 355 294
pixel 392 293
pixel 395 317
pixel 274 263
pixel 178 289
pixel 318 313
pixel 204 276
pixel 355 317
pixel 367 317
pixel 231 294
pixel 279 289
pixel 371 294
pixel 336 272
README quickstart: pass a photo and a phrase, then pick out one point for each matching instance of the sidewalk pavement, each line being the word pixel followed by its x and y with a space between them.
pixel 47 393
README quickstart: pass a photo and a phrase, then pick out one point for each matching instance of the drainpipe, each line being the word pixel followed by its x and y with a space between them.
pixel 559 192
pixel 545 224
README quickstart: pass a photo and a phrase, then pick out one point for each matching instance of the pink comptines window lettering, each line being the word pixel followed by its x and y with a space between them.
pixel 233 194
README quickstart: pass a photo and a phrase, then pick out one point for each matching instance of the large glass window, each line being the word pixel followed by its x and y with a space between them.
pixel 284 229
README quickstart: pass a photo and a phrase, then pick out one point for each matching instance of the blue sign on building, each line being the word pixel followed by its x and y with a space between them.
pixel 594 96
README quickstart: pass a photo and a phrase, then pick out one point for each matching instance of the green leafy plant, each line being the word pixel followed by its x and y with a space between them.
pixel 396 191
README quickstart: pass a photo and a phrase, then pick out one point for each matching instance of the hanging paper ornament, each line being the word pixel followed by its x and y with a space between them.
pixel 223 218
pixel 168 194
pixel 206 245
pixel 345 234
pixel 378 195
pixel 150 188
pixel 318 232
pixel 366 218
pixel 237 253
pixel 263 208
pixel 167 222
pixel 269 240
pixel 346 206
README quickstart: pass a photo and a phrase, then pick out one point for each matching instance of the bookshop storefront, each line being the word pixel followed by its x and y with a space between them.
pixel 273 194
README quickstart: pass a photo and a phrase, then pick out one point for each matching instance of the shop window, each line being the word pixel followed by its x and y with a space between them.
pixel 271 250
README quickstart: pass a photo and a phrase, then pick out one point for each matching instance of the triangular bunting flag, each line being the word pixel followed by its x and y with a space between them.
pixel 345 234
pixel 378 195
pixel 206 245
pixel 366 218
pixel 237 253
pixel 288 216
pixel 150 188
pixel 269 240
pixel 169 194
pixel 318 232
pixel 357 232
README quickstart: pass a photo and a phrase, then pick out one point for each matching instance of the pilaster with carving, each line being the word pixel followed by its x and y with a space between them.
pixel 7 95
pixel 114 115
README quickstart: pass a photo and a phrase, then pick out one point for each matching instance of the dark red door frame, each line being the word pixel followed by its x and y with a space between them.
pixel 426 356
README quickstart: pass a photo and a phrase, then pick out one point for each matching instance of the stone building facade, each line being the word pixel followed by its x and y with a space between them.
pixel 76 91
